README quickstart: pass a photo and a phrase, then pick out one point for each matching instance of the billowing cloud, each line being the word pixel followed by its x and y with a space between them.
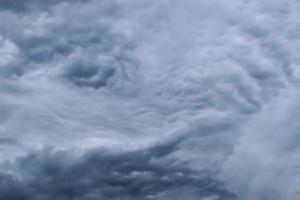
pixel 100 174
pixel 107 84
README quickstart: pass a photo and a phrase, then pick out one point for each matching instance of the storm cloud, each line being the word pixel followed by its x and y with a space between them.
pixel 100 174
pixel 138 99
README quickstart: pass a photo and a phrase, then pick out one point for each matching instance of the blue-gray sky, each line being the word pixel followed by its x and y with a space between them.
pixel 139 99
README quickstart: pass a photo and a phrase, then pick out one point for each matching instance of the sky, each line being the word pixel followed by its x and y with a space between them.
pixel 149 100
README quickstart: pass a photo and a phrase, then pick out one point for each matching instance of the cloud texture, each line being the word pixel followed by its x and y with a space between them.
pixel 137 99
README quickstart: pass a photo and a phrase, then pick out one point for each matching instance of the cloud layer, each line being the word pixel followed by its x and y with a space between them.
pixel 128 99
pixel 98 174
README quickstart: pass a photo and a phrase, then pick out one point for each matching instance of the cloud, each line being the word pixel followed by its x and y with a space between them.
pixel 124 75
pixel 8 141
pixel 266 155
pixel 142 174
pixel 27 5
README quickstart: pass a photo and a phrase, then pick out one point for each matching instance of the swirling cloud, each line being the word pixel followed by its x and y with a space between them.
pixel 108 84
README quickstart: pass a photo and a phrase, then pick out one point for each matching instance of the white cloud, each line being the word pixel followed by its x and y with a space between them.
pixel 265 163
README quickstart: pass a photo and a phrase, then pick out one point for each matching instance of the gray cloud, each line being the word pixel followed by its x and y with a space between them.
pixel 8 141
pixel 267 154
pixel 28 5
pixel 100 174
pixel 124 75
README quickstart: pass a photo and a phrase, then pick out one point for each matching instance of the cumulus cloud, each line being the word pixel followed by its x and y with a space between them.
pixel 116 81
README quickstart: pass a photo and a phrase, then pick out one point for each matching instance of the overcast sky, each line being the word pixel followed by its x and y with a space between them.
pixel 149 99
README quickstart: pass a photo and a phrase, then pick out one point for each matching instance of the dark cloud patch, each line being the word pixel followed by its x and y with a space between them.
pixel 99 174
pixel 10 188
pixel 28 5
pixel 39 50
pixel 64 38
pixel 90 76
pixel 8 141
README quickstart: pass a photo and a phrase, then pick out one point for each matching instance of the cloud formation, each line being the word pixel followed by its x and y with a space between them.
pixel 148 100
pixel 100 174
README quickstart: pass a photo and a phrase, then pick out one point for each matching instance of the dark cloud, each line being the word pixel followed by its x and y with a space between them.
pixel 8 141
pixel 100 174
pixel 28 5
pixel 89 76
